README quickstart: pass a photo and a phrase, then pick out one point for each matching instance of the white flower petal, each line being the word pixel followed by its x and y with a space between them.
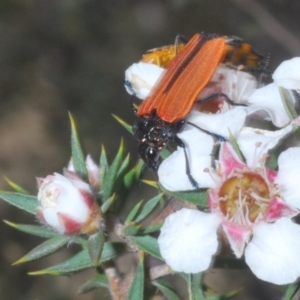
pixel 172 171
pixel 288 178
pixel 273 253
pixel 254 143
pixel 141 77
pixel 236 84
pixel 222 123
pixel 188 240
pixel 268 99
pixel 287 74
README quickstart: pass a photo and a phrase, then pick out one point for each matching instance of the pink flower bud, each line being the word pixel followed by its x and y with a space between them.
pixel 93 171
pixel 68 205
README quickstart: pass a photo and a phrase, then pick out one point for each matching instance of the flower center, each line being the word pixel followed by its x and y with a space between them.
pixel 244 198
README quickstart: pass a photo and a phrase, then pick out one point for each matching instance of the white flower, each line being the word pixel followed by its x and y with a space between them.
pixel 199 145
pixel 269 99
pixel 68 205
pixel 181 231
pixel 141 77
pixel 287 75
pixel 252 204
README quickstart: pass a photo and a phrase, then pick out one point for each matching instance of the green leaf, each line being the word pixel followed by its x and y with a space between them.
pixel 33 229
pixel 94 283
pixel 15 186
pixel 150 229
pixel 291 291
pixel 77 153
pixel 108 203
pixel 44 249
pixel 136 291
pixel 148 208
pixel 198 197
pixel 288 100
pixel 95 246
pixel 194 287
pixel 82 260
pixel 233 142
pixel 24 202
pixel 103 165
pixel 165 153
pixel 147 243
pixel 133 212
pixel 133 175
pixel 123 123
pixel 124 165
pixel 166 288
pixel 110 177
pixel 131 229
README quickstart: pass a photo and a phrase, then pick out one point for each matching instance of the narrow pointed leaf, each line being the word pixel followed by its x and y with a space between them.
pixel 82 260
pixel 133 175
pixel 131 229
pixel 197 197
pixel 103 164
pixel 150 229
pixel 123 123
pixel 95 246
pixel 147 243
pixel 22 201
pixel 33 229
pixel 109 179
pixel 136 291
pixel 147 208
pixel 15 186
pixel 124 165
pixel 94 283
pixel 236 147
pixel 77 153
pixel 108 203
pixel 287 98
pixel 166 289
pixel 194 287
pixel 291 291
pixel 133 212
pixel 44 249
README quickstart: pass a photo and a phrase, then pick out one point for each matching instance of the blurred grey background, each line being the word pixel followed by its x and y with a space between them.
pixel 70 55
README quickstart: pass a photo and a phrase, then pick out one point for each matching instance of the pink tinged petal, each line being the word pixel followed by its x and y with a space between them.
pixel 237 236
pixel 273 253
pixel 142 78
pixel 39 181
pixel 269 100
pixel 40 214
pixel 93 170
pixel 172 171
pixel 221 123
pixel 188 240
pixel 70 166
pixel 229 160
pixel 288 179
pixel 287 74
pixel 271 175
pixel 255 143
pixel 279 209
pixel 70 174
pixel 212 199
pixel 88 198
pixel 69 225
